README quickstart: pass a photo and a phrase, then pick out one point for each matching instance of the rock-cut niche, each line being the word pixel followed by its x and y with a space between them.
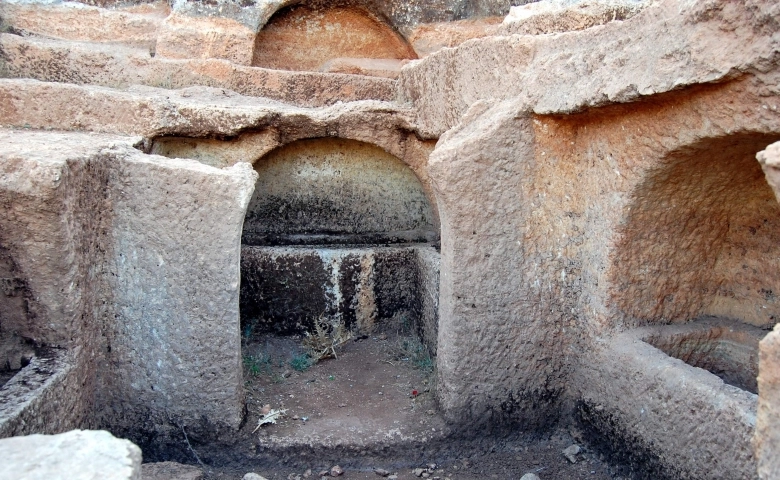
pixel 703 238
pixel 302 37
pixel 338 230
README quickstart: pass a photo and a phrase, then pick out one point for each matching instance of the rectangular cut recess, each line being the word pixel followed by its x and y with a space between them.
pixel 726 348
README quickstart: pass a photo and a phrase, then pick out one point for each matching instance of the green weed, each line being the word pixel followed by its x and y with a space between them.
pixel 301 362
pixel 412 350
pixel 257 364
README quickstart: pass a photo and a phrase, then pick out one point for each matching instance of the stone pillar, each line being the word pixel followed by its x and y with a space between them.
pixel 767 437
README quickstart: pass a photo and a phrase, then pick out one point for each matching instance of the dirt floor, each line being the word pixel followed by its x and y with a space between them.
pixel 371 408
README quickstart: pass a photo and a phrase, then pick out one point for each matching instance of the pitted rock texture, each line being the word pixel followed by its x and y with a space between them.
pixel 78 454
pixel 330 188
pixel 119 66
pixel 136 26
pixel 46 396
pixel 301 38
pixel 113 265
pixel 556 16
pixel 534 206
pixel 767 433
pixel 698 234
pixel 667 46
pixel 664 417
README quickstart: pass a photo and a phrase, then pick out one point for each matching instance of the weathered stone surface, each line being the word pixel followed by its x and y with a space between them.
pixel 559 229
pixel 137 26
pixel 364 66
pixel 120 66
pixel 205 37
pixel 767 434
pixel 770 163
pixel 334 188
pixel 202 112
pixel 286 289
pixel 432 37
pixel 54 222
pixel 554 16
pixel 665 47
pixel 724 347
pixel 45 396
pixel 175 372
pixel 667 418
pixel 303 38
pixel 403 15
pixel 78 454
pixel 711 202
pixel 539 207
pixel 170 471
pixel 118 265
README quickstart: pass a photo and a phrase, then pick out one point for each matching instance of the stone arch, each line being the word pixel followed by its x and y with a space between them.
pixel 338 228
pixel 702 237
pixel 305 36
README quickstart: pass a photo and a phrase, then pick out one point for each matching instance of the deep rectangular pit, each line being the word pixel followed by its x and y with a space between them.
pixel 726 348
pixel 285 290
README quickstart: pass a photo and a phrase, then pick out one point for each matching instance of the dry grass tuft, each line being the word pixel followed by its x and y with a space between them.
pixel 327 336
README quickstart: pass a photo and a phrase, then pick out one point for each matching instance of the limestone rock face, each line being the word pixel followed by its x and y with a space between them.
pixel 667 46
pixel 770 162
pixel 388 68
pixel 302 38
pixel 136 26
pixel 205 37
pixel 78 454
pixel 114 260
pixel 767 436
pixel 119 66
pixel 554 16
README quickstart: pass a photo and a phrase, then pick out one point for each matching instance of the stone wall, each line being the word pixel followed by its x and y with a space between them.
pixel 326 191
pixel 178 298
pixel 589 178
pixel 536 208
pixel 368 288
pixel 122 286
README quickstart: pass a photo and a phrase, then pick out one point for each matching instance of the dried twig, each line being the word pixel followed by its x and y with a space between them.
pixel 186 439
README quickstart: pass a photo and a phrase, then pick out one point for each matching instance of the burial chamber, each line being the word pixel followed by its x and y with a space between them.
pixel 564 205
pixel 342 230
pixel 695 282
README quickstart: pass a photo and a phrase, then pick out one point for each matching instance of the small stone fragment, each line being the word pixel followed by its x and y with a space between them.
pixel 418 472
pixel 265 410
pixel 392 477
pixel 431 467
pixel 571 453
pixel 307 473
pixel 170 471
pixel 335 471
pixel 253 476
pixel 426 475
pixel 324 473
pixel 381 472
pixel 530 476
